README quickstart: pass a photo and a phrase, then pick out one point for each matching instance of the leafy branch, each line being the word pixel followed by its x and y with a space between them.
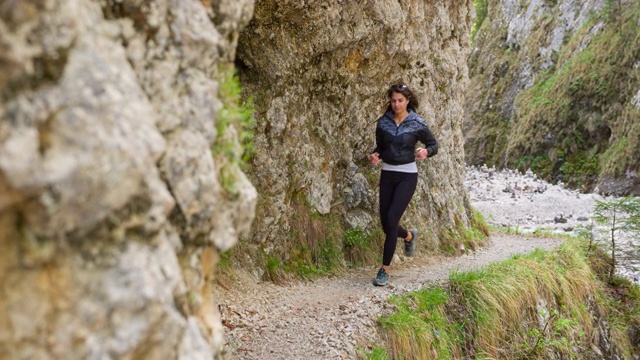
pixel 622 215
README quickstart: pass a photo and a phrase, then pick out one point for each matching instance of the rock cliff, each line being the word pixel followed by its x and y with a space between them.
pixel 554 87
pixel 319 71
pixel 119 187
pixel 112 214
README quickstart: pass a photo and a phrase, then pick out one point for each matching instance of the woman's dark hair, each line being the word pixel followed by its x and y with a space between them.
pixel 404 90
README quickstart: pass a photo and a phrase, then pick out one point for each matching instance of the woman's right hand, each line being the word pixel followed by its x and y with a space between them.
pixel 374 159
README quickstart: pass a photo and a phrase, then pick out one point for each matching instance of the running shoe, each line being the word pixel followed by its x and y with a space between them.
pixel 382 278
pixel 410 246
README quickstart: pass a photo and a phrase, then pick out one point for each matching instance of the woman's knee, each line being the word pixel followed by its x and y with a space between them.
pixel 391 224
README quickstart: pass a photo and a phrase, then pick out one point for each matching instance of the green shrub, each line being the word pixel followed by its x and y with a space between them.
pixel 361 248
pixel 621 215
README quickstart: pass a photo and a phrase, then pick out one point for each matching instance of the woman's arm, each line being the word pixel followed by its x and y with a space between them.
pixel 374 158
pixel 431 145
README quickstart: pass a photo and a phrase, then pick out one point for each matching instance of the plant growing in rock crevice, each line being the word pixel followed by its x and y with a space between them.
pixel 481 14
pixel 233 146
pixel 362 247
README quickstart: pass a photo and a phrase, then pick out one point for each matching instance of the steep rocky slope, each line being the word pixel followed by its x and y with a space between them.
pixel 555 86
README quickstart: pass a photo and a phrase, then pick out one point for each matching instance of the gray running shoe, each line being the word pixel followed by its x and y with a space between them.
pixel 410 246
pixel 382 278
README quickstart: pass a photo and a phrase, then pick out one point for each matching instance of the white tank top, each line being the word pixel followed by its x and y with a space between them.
pixel 404 168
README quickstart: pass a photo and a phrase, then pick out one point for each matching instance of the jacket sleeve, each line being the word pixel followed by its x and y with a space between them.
pixel 378 148
pixel 429 141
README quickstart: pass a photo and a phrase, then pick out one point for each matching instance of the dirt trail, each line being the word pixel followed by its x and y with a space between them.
pixel 331 318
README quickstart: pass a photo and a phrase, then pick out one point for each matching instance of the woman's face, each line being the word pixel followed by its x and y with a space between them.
pixel 398 103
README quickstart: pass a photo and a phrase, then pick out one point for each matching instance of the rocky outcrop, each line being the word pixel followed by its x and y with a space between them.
pixel 319 71
pixel 554 88
pixel 111 210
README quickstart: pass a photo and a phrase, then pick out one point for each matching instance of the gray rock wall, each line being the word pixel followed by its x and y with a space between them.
pixel 111 211
pixel 319 71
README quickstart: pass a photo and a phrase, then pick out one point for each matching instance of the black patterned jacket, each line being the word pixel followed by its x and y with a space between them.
pixel 396 144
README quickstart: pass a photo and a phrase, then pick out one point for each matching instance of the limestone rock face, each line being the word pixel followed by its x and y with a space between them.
pixel 111 210
pixel 553 87
pixel 319 72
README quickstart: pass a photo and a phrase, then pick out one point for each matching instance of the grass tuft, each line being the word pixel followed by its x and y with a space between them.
pixel 233 145
pixel 418 329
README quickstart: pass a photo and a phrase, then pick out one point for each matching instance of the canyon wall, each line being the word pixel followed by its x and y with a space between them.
pixel 319 72
pixel 555 87
pixel 120 179
pixel 112 215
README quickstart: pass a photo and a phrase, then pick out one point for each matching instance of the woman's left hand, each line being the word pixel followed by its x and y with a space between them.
pixel 421 153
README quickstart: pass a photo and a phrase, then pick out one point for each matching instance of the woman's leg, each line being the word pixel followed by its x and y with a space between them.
pixel 396 190
pixel 387 188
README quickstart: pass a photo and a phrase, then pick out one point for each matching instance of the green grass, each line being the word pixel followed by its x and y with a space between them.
pixel 526 307
pixel 233 146
pixel 375 353
pixel 320 245
pixel 461 238
pixel 419 328
pixel 481 15
pixel 361 248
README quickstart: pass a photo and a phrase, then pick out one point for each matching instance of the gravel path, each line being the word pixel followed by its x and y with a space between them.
pixel 331 318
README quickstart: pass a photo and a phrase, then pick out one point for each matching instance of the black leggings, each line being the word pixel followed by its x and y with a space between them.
pixel 396 190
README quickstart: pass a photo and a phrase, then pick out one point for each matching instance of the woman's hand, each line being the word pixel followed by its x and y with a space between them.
pixel 421 153
pixel 374 159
